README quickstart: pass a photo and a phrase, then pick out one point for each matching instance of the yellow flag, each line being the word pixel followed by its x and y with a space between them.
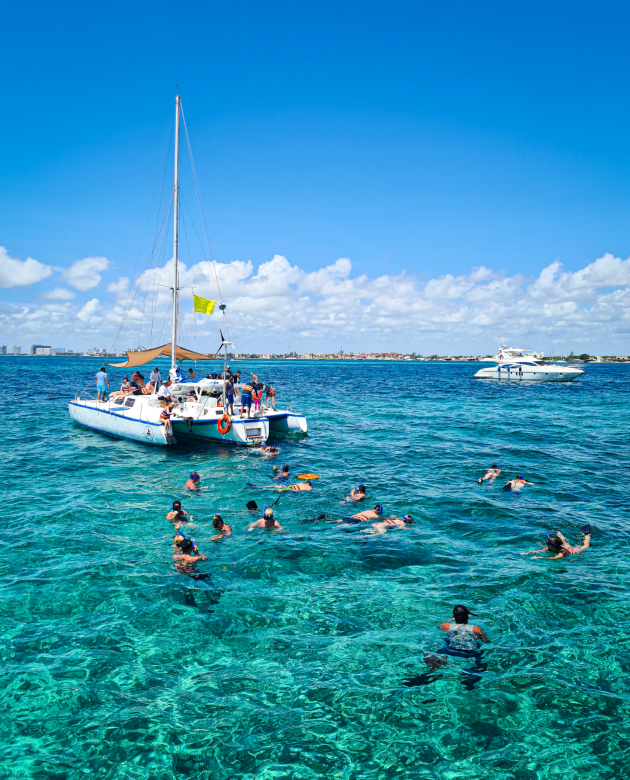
pixel 203 305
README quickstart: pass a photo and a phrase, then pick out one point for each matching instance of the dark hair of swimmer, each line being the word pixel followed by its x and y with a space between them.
pixel 308 482
pixel 554 544
pixel 187 546
pixel 362 489
pixel 285 468
pixel 252 506
pixel 494 466
pixel 177 505
pixel 408 519
pixel 461 613
pixel 218 522
pixel 378 509
pixel 195 476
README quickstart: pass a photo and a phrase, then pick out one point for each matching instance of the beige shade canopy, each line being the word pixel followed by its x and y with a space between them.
pixel 147 355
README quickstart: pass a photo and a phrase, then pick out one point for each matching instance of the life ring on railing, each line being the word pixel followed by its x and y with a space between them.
pixel 224 424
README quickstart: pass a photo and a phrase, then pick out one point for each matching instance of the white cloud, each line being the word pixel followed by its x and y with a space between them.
pixel 59 294
pixel 89 310
pixel 15 273
pixel 279 303
pixel 84 274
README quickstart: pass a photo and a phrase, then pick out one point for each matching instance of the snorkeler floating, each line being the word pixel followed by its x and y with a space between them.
pixel 268 522
pixel 463 641
pixel 193 481
pixel 492 473
pixel 221 527
pixel 516 484
pixel 559 545
pixel 357 494
pixel 177 515
pixel 392 522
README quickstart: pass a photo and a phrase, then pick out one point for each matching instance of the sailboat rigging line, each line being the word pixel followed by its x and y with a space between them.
pixel 203 217
pixel 157 218
pixel 140 281
pixel 192 271
pixel 158 283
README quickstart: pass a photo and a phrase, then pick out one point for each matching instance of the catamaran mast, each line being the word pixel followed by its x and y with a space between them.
pixel 175 244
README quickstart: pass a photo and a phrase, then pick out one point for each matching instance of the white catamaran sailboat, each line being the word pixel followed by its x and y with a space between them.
pixel 200 411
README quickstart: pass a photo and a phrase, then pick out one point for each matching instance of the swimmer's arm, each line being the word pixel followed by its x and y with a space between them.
pixel 529 552
pixel 445 626
pixel 256 524
pixel 553 558
pixel 480 634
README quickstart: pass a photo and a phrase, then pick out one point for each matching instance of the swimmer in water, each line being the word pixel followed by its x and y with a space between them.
pixel 283 475
pixel 357 494
pixel 363 517
pixel 306 485
pixel 492 473
pixel 186 559
pixel 559 545
pixel 270 451
pixel 268 522
pixel 177 515
pixel 463 641
pixel 221 527
pixel 193 481
pixel 516 484
pixel 392 522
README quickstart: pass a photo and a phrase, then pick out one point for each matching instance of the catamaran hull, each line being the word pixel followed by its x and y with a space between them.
pixel 287 422
pixel 116 424
pixel 243 432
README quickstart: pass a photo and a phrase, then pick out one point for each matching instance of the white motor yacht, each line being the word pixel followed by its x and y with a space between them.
pixel 524 364
pixel 200 411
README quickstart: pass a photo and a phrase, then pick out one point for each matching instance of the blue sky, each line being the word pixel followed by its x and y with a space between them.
pixel 408 137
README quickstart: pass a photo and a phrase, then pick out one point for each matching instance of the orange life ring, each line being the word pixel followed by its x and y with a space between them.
pixel 228 424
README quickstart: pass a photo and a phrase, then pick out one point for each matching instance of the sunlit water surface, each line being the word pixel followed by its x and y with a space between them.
pixel 292 661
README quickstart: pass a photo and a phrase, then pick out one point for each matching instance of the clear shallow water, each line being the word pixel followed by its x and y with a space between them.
pixel 291 664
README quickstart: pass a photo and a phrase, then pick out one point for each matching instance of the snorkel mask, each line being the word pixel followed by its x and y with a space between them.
pixel 408 519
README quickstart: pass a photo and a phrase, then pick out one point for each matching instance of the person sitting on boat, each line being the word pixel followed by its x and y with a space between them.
pixel 357 494
pixel 221 527
pixel 125 386
pixel 268 522
pixel 283 476
pixel 559 545
pixel 165 418
pixel 193 481
pixel 517 483
pixel 191 374
pixel 177 515
pixel 270 393
pixel 492 473
pixel 164 393
pixel 246 398
pixel 144 390
pixel 392 522
pixel 137 380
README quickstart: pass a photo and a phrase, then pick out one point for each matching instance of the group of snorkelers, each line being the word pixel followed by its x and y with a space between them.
pixel 555 544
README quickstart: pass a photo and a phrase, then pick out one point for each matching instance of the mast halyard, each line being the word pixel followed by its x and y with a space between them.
pixel 175 245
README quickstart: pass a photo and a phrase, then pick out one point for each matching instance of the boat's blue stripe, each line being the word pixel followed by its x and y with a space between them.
pixel 113 414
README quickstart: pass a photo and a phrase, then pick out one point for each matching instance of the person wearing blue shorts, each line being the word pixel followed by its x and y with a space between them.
pixel 246 398
pixel 102 384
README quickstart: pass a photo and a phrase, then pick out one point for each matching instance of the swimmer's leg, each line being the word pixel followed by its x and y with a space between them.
pixel 422 679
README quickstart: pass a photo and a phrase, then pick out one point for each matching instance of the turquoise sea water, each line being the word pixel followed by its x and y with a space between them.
pixel 291 663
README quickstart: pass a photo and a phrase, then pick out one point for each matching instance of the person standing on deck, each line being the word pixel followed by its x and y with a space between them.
pixel 102 384
pixel 155 377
